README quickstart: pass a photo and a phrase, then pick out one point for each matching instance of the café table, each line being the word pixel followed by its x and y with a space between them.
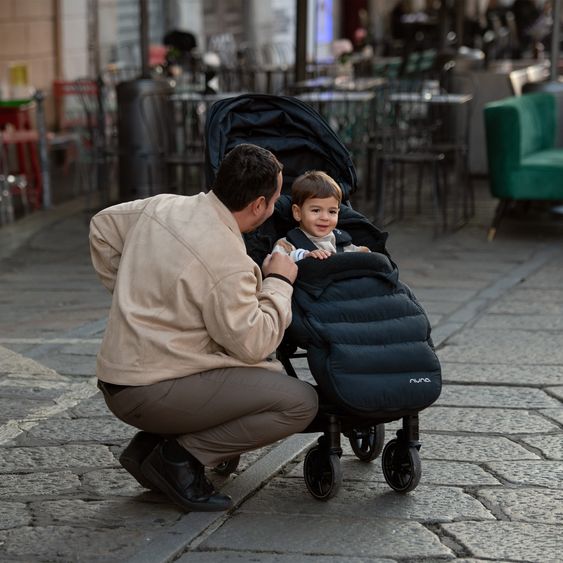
pixel 440 121
pixel 349 114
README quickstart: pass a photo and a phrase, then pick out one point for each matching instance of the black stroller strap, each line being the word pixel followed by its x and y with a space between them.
pixel 300 240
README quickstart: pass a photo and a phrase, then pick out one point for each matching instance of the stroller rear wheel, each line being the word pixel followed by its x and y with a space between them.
pixel 322 472
pixel 367 443
pixel 401 466
pixel 227 467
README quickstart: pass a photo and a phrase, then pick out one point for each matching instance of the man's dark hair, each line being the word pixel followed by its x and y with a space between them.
pixel 246 173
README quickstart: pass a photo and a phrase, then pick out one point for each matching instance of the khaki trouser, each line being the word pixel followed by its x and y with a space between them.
pixel 218 414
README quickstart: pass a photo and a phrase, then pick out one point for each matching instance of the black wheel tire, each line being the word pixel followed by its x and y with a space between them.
pixel 322 472
pixel 401 466
pixel 367 443
pixel 227 467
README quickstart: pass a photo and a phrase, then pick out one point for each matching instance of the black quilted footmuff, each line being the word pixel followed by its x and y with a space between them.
pixel 367 338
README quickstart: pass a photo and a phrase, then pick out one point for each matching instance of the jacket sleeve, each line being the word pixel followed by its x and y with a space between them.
pixel 283 246
pixel 247 318
pixel 108 231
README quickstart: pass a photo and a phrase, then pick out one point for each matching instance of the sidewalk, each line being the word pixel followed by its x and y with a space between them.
pixel 492 446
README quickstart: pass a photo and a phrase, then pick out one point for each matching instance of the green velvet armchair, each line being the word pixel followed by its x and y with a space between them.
pixel 524 163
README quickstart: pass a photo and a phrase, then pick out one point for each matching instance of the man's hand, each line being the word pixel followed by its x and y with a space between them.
pixel 319 254
pixel 281 264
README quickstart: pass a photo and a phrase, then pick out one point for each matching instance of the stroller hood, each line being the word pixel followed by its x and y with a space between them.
pixel 299 137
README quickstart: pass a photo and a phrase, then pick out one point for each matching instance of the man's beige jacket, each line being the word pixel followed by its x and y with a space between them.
pixel 186 296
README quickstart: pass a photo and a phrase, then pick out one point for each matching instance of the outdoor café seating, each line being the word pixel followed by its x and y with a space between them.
pixel 524 163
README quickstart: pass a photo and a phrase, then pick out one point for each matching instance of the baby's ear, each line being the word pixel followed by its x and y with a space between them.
pixel 296 211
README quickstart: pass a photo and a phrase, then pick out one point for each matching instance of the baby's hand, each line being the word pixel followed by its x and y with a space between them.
pixel 319 254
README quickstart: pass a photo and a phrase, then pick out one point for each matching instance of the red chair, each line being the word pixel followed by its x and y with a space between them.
pixel 18 130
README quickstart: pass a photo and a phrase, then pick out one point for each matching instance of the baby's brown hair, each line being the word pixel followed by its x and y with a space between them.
pixel 314 183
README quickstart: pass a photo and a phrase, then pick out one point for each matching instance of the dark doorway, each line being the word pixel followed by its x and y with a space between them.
pixel 351 17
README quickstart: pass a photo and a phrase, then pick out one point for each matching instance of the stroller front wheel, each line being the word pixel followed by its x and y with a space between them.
pixel 401 466
pixel 367 443
pixel 322 472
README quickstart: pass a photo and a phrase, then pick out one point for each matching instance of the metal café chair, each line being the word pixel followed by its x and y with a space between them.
pixel 400 139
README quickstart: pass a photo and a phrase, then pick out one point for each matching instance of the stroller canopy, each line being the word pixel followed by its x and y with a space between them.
pixel 299 137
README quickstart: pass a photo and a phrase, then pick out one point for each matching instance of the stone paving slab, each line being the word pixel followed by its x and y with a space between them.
pixel 69 364
pixel 11 409
pixel 478 449
pixel 524 505
pixel 115 513
pixel 62 544
pixel 547 474
pixel 556 392
pixel 554 414
pixel 515 541
pixel 515 347
pixel 13 363
pixel 495 397
pixel 531 322
pixel 455 295
pixel 23 387
pixel 72 456
pixel 251 556
pixel 485 421
pixel 534 295
pixel 93 407
pixel 496 373
pixel 526 308
pixel 27 487
pixel 56 431
pixel 550 446
pixel 14 515
pixel 549 277
pixel 292 534
pixel 369 500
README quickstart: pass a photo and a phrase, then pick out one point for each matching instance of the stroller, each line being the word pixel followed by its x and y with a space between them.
pixel 365 336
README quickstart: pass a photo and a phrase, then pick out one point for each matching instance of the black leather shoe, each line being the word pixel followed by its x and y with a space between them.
pixel 136 452
pixel 184 483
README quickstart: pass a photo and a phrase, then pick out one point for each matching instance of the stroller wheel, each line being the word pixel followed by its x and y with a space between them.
pixel 367 443
pixel 401 466
pixel 323 474
pixel 227 467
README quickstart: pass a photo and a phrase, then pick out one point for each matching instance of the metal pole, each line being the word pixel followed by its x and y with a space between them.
pixel 301 40
pixel 39 97
pixel 555 38
pixel 144 36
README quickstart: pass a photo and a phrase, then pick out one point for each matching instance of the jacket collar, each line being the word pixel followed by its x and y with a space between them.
pixel 224 214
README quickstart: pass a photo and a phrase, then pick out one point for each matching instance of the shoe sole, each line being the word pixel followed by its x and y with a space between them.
pixel 150 473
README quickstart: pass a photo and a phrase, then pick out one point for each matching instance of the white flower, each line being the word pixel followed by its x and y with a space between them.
pixel 341 47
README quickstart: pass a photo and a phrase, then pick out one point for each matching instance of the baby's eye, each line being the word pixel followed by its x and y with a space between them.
pixel 333 212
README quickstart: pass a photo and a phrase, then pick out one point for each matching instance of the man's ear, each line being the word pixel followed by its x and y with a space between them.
pixel 296 211
pixel 258 205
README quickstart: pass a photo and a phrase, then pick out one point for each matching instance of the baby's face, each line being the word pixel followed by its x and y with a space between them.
pixel 317 216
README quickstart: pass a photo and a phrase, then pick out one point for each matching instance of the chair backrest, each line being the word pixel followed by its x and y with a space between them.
pixel 516 127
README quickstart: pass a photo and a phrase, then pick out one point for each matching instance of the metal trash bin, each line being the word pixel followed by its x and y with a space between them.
pixel 144 132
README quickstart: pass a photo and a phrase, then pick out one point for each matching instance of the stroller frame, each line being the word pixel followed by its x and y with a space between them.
pixel 321 468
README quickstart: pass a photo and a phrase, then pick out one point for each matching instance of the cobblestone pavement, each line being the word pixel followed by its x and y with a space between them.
pixel 492 446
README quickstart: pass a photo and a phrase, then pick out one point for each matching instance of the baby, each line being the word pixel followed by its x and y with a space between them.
pixel 316 199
